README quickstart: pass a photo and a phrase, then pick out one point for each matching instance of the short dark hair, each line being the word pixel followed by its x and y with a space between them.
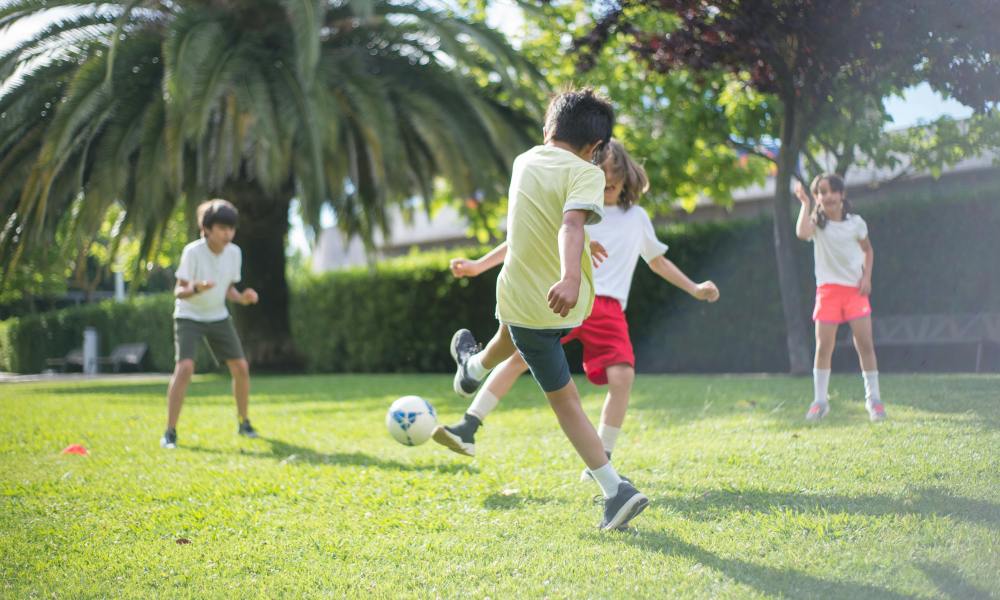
pixel 579 118
pixel 217 212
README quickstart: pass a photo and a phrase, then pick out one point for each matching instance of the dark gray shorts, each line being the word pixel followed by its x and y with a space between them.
pixel 221 335
pixel 542 350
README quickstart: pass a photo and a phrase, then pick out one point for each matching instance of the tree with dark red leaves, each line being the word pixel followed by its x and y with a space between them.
pixel 820 61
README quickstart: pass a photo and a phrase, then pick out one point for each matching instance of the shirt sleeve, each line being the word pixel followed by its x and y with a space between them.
pixel 650 247
pixel 185 270
pixel 862 229
pixel 237 264
pixel 586 192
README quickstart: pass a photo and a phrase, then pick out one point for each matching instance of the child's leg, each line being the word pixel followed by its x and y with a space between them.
pixel 497 350
pixel 183 370
pixel 826 339
pixel 239 368
pixel 620 379
pixel 500 381
pixel 565 403
pixel 865 345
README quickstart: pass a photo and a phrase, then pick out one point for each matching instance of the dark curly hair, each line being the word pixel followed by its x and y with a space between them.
pixel 579 118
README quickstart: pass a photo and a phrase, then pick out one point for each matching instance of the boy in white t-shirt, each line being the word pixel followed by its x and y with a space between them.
pixel 624 235
pixel 844 259
pixel 206 277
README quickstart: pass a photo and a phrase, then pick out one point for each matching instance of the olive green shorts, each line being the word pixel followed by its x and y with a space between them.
pixel 221 336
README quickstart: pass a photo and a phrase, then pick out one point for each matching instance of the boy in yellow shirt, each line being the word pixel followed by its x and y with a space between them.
pixel 546 288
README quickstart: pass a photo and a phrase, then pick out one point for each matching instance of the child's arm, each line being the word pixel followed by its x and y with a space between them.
pixel 865 285
pixel 565 293
pixel 804 227
pixel 461 267
pixel 186 289
pixel 248 296
pixel 665 268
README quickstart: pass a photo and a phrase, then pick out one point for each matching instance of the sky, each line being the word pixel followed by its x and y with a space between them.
pixel 917 104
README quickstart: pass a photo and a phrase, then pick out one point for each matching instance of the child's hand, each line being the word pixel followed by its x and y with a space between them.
pixel 598 254
pixel 865 287
pixel 800 193
pixel 249 296
pixel 707 291
pixel 563 296
pixel 461 267
pixel 198 287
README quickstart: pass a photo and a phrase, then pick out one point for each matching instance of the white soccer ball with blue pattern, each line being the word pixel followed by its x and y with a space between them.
pixel 411 420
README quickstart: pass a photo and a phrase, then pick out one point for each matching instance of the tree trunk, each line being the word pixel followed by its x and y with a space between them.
pixel 796 332
pixel 264 328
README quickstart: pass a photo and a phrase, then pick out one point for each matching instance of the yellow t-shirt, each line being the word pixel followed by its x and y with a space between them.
pixel 545 182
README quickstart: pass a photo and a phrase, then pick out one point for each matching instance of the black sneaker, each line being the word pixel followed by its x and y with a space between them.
pixel 460 438
pixel 623 507
pixel 169 439
pixel 463 345
pixel 247 430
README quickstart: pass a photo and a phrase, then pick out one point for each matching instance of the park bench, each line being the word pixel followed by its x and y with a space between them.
pixel 125 355
pixel 916 330
pixel 73 358
pixel 130 355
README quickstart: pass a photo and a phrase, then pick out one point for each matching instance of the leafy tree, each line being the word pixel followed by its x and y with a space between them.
pixel 819 71
pixel 154 104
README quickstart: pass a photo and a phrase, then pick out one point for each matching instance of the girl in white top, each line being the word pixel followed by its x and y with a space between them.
pixel 844 258
pixel 618 241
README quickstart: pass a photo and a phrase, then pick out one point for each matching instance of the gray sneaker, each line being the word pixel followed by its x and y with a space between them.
pixel 463 346
pixel 623 507
pixel 247 430
pixel 817 410
pixel 169 439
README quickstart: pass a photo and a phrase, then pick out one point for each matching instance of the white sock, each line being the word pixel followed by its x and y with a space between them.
pixel 871 387
pixel 608 479
pixel 475 367
pixel 483 404
pixel 821 384
pixel 608 435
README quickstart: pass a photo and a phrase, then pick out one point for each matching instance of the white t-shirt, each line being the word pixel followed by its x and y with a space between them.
pixel 199 263
pixel 626 235
pixel 837 251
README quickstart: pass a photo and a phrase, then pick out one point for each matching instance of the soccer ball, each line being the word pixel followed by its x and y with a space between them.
pixel 411 420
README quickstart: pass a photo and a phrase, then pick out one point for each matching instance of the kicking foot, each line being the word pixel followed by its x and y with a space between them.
pixel 463 346
pixel 817 410
pixel 623 507
pixel 456 441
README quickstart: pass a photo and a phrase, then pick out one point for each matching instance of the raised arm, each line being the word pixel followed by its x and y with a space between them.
pixel 665 268
pixel 804 227
pixel 462 267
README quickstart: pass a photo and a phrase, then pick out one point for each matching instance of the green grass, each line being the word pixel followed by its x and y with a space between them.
pixel 747 501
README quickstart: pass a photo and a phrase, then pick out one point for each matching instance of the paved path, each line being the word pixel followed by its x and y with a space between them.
pixel 70 377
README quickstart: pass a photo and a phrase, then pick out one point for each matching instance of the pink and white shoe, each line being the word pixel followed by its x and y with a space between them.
pixel 876 411
pixel 817 410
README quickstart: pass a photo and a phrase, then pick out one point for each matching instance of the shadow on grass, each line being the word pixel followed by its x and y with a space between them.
pixel 924 502
pixel 787 583
pixel 951 583
pixel 499 501
pixel 292 454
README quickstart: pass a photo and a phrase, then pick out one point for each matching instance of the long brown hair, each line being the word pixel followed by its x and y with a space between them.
pixel 635 182
pixel 836 183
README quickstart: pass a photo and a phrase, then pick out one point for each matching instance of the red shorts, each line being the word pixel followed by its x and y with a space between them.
pixel 605 340
pixel 840 304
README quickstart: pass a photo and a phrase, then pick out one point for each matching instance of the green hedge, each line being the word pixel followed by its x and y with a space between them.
pixel 936 251
pixel 26 342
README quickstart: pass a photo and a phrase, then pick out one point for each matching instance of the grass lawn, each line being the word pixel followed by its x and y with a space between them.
pixel 747 500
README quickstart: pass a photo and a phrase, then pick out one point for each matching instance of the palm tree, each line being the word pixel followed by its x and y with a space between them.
pixel 156 104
